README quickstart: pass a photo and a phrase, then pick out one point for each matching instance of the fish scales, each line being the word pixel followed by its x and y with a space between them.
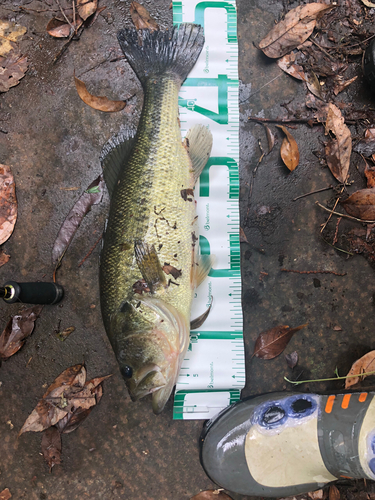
pixel 147 204
pixel 149 251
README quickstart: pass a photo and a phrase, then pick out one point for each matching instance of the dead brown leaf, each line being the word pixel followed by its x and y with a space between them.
pixel 271 343
pixel 100 103
pixel 18 328
pixel 361 204
pixel 289 150
pixel 313 84
pixel 334 493
pixel 292 359
pixel 86 8
pixel 69 397
pixel 4 257
pixel 341 83
pixel 288 65
pixel 211 495
pixel 5 494
pixel 65 333
pixel 362 365
pixel 270 138
pixel 141 17
pixel 8 203
pixel 61 29
pixel 51 447
pixel 338 149
pixel 169 269
pixel 12 69
pixel 92 196
pixel 296 27
pixel 243 238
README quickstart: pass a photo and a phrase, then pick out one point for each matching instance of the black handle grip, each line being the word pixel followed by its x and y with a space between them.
pixel 33 293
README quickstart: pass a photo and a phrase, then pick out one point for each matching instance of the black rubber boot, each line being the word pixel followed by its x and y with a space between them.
pixel 369 64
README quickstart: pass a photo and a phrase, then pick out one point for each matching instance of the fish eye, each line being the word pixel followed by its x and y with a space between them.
pixel 126 371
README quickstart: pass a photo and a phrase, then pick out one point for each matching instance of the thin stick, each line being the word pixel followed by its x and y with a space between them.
pixel 63 13
pixel 335 205
pixel 90 252
pixel 312 272
pixel 313 192
pixel 74 16
pixel 321 48
pixel 337 231
pixel 310 121
pixel 298 382
pixel 265 85
pixel 337 248
pixel 344 215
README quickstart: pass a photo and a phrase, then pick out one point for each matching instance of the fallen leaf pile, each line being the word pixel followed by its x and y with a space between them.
pixel 66 404
pixel 8 203
pixel 13 65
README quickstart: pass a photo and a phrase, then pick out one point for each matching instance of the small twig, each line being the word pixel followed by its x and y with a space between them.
pixel 311 121
pixel 337 231
pixel 345 215
pixel 90 252
pixel 298 382
pixel 323 50
pixel 312 272
pixel 335 205
pixel 31 10
pixel 68 42
pixel 63 13
pixel 74 16
pixel 3 131
pixel 354 45
pixel 337 248
pixel 313 192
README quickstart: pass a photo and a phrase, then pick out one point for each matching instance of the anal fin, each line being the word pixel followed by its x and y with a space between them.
pixel 201 269
pixel 114 156
pixel 198 142
pixel 149 265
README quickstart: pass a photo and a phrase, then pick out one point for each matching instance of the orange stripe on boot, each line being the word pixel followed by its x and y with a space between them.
pixel 362 397
pixel 329 404
pixel 345 401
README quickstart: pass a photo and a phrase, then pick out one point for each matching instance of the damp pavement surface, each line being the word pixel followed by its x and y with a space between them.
pixel 53 142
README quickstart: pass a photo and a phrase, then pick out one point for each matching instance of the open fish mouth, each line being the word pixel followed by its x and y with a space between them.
pixel 146 381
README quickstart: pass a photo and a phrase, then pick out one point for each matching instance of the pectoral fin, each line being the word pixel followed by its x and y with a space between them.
pixel 114 156
pixel 198 142
pixel 149 265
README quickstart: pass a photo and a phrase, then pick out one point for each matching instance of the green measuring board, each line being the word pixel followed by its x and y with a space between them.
pixel 213 371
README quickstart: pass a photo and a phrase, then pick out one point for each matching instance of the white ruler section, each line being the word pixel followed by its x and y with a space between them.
pixel 213 372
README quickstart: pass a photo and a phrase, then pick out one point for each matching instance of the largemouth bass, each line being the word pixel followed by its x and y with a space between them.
pixel 149 264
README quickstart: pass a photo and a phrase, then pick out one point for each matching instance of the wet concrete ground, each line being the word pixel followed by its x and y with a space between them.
pixel 53 143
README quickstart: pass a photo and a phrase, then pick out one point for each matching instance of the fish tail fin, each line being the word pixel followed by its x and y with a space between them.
pixel 152 54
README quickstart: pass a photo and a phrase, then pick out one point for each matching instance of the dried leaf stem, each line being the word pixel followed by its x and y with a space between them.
pixel 323 50
pixel 312 272
pixel 344 215
pixel 313 192
pixel 90 251
pixel 298 382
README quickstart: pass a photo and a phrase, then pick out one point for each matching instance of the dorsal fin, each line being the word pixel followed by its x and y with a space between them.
pixel 114 156
pixel 198 142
